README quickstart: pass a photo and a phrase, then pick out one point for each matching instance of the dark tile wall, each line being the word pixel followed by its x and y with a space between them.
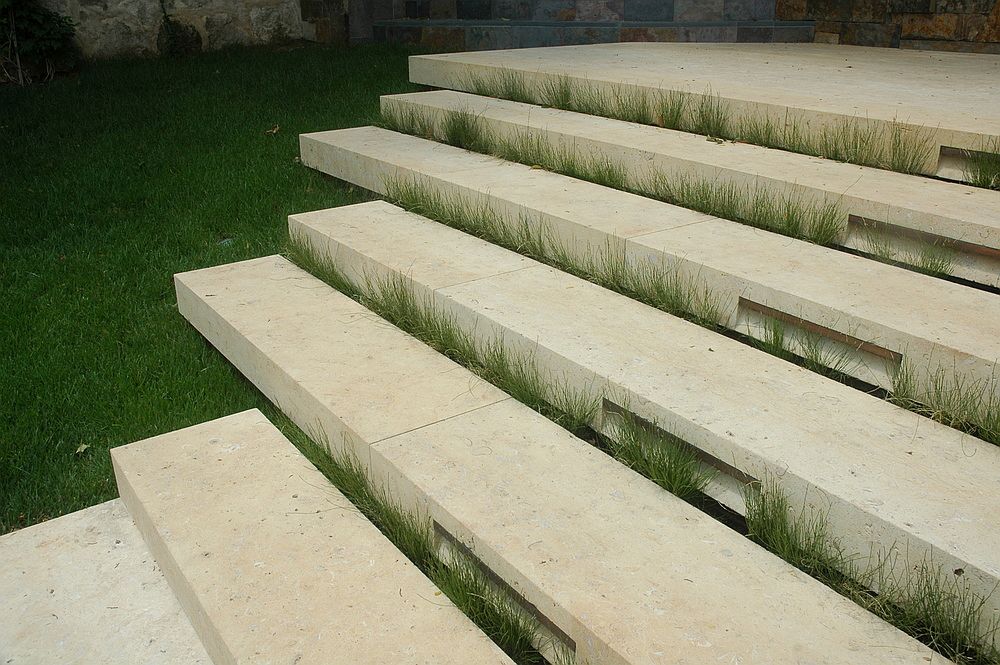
pixel 954 25
pixel 579 10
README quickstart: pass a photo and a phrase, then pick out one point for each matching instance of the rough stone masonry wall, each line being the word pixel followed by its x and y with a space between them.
pixel 951 25
pixel 112 28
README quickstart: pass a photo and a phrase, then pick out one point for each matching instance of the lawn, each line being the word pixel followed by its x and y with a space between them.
pixel 113 180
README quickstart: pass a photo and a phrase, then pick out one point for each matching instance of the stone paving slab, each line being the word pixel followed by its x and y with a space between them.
pixel 953 98
pixel 935 212
pixel 666 584
pixel 886 478
pixel 273 564
pixel 83 588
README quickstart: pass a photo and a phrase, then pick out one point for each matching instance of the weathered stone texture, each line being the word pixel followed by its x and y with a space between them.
pixel 954 25
pixel 113 28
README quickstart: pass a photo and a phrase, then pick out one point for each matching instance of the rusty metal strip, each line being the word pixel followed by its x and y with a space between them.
pixel 924 237
pixel 829 333
pixel 523 602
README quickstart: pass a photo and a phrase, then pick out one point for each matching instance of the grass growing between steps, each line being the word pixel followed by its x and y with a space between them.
pixel 890 146
pixel 457 576
pixel 984 166
pixel 930 259
pixel 667 289
pixel 951 399
pixel 944 614
pixel 666 461
pixel 115 179
pixel 758 206
pixel 658 285
pixel 932 605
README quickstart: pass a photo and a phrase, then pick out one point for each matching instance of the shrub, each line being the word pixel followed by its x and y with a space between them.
pixel 35 42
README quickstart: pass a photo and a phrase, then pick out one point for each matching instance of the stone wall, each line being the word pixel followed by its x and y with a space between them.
pixel 114 28
pixel 457 25
pixel 952 25
pixel 576 10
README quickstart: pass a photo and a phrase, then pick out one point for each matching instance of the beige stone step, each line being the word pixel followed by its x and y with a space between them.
pixel 83 588
pixel 273 564
pixel 888 479
pixel 879 314
pixel 629 573
pixel 911 213
pixel 953 99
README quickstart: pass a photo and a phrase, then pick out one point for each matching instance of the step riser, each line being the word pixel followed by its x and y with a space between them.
pixel 485 476
pixel 459 175
pixel 186 595
pixel 457 71
pixel 483 307
pixel 644 153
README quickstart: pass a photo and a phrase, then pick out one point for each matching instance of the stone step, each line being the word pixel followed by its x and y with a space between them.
pixel 951 100
pixel 625 571
pixel 888 480
pixel 83 588
pixel 273 564
pixel 880 315
pixel 911 213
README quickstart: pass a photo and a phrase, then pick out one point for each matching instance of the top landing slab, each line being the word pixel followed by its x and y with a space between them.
pixel 954 95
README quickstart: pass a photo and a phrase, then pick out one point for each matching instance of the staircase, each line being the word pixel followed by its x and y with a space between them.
pixel 653 423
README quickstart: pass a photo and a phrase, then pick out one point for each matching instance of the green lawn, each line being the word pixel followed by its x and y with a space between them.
pixel 114 180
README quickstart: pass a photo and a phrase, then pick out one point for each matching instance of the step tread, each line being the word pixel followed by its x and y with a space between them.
pixel 953 210
pixel 946 92
pixel 910 479
pixel 906 312
pixel 273 563
pixel 83 588
pixel 660 584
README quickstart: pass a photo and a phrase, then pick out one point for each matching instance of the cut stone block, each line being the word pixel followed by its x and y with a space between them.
pixel 887 479
pixel 83 588
pixel 533 503
pixel 273 564
pixel 952 99
pixel 877 313
pixel 913 214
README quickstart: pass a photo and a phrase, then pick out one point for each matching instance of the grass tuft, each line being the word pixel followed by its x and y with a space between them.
pixel 809 350
pixel 950 398
pixel 667 461
pixel 406 119
pixel 464 129
pixel 821 223
pixel 933 606
pixel 984 165
pixel 503 84
pixel 712 117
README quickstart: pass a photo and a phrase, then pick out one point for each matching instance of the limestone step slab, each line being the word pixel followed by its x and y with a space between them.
pixel 909 212
pixel 952 99
pixel 881 315
pixel 887 479
pixel 273 564
pixel 83 588
pixel 627 572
